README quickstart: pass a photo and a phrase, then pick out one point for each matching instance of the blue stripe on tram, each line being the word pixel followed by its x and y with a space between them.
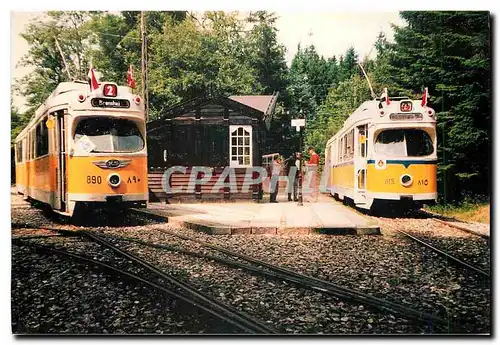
pixel 404 162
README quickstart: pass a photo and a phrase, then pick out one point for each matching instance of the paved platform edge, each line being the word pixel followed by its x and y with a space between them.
pixel 270 230
pixel 221 229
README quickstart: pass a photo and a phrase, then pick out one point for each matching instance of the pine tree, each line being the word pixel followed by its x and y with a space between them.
pixel 449 52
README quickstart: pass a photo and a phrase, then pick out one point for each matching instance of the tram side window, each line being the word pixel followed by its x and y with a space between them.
pixel 350 144
pixel 32 144
pixel 19 152
pixel 42 139
pixel 342 149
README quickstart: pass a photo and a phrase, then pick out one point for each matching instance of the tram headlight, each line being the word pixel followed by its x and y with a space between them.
pixel 406 180
pixel 114 180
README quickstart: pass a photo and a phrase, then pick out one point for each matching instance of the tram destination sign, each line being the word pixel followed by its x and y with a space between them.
pixel 406 116
pixel 110 103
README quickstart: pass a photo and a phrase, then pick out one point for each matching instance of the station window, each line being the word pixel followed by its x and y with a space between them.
pixel 240 148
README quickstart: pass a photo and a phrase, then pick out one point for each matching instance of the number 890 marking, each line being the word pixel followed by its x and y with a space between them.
pixel 94 180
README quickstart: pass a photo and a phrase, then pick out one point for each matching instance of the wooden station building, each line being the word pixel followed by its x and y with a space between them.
pixel 210 131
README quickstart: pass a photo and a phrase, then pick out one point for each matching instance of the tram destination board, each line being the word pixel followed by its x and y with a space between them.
pixel 110 103
pixel 406 116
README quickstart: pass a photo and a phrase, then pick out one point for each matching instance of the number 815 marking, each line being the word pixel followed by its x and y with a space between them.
pixel 94 180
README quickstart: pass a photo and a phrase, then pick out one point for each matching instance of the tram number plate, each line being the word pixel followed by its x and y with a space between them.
pixel 94 179
pixel 133 179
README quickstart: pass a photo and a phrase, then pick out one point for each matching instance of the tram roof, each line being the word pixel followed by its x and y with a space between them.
pixel 370 110
pixel 67 92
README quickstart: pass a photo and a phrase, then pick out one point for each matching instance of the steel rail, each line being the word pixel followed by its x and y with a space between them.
pixel 320 285
pixel 35 237
pixel 325 286
pixel 444 254
pixel 446 221
pixel 44 249
pixel 486 237
pixel 254 325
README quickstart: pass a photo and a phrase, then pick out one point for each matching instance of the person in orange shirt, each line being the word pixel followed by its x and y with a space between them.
pixel 314 157
pixel 312 168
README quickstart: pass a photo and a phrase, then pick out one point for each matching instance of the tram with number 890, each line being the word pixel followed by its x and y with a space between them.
pixel 85 148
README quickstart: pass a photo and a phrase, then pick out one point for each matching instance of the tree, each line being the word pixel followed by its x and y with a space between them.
pixel 449 52
pixel 337 107
pixel 17 122
pixel 348 64
pixel 67 27
pixel 267 55
pixel 192 56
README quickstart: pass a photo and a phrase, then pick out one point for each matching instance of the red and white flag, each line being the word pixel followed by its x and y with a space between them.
pixel 385 96
pixel 130 77
pixel 425 97
pixel 94 84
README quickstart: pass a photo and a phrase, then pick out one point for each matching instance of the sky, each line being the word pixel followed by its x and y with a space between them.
pixel 332 33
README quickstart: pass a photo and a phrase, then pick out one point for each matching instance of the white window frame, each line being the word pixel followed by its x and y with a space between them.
pixel 236 163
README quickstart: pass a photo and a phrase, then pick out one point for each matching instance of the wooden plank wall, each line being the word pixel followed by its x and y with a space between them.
pixel 201 192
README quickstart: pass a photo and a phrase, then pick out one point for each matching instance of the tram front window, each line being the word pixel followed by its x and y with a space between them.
pixel 404 143
pixel 110 135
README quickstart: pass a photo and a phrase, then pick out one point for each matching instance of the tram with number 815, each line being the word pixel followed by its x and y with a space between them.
pixel 385 154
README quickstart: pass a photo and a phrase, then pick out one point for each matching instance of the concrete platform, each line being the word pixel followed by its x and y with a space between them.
pixel 326 216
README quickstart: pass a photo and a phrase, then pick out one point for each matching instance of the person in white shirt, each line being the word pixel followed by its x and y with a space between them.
pixel 275 171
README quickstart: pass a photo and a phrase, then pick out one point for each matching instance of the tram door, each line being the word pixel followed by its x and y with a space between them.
pixel 61 149
pixel 360 159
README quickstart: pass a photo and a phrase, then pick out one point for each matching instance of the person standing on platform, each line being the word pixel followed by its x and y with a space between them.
pixel 312 169
pixel 292 166
pixel 275 171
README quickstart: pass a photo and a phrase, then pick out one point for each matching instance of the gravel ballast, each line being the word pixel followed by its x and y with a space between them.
pixel 385 266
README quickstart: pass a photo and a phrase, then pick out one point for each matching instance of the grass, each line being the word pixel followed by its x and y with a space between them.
pixel 466 211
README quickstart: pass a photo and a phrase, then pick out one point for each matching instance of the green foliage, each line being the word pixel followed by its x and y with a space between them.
pixel 449 52
pixel 348 64
pixel 71 33
pixel 17 122
pixel 190 58
pixel 266 54
pixel 339 104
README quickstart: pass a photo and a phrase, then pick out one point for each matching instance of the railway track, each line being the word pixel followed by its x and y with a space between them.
pixel 421 214
pixel 445 255
pixel 312 283
pixel 259 267
pixel 450 222
pixel 252 266
pixel 181 291
pixel 325 286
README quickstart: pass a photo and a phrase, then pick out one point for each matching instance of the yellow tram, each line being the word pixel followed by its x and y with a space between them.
pixel 84 148
pixel 385 153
